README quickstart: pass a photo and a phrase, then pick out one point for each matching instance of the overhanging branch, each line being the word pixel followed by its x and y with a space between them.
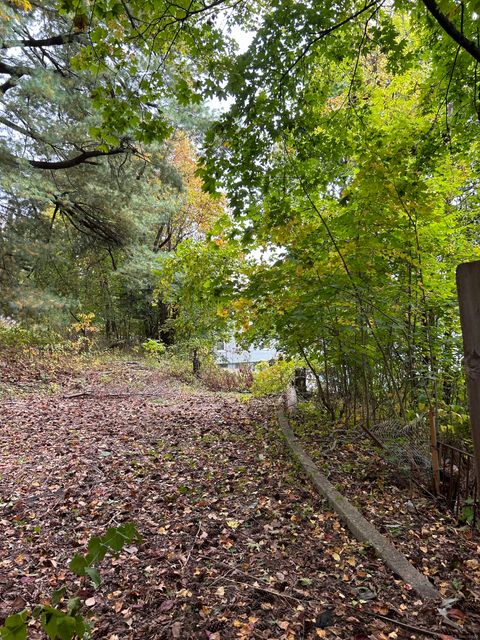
pixel 76 160
pixel 15 72
pixel 322 34
pixel 456 34
pixel 52 41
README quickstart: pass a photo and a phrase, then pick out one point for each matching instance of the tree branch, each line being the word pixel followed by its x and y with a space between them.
pixel 15 72
pixel 20 129
pixel 465 43
pixel 52 41
pixel 76 160
pixel 322 34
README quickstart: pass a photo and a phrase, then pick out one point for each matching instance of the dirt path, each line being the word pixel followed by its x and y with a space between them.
pixel 235 545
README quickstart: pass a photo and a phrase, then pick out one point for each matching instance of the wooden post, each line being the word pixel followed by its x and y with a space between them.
pixel 196 363
pixel 300 381
pixel 292 400
pixel 468 288
pixel 435 459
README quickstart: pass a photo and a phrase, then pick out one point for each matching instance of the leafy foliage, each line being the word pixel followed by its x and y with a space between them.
pixel 363 214
pixel 348 154
pixel 154 347
pixel 269 379
pixel 68 623
pixel 194 280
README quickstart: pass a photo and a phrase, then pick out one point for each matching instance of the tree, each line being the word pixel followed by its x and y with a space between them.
pixel 362 212
pixel 89 192
pixel 116 63
pixel 198 281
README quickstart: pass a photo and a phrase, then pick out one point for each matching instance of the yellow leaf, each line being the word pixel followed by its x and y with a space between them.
pixel 336 557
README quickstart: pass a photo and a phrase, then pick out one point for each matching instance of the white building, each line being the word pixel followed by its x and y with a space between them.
pixel 231 356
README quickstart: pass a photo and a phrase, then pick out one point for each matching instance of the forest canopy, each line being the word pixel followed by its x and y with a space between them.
pixel 324 205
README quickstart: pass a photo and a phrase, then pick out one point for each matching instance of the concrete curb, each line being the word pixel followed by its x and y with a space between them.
pixel 358 525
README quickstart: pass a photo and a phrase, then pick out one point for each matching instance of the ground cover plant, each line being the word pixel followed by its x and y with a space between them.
pixel 66 622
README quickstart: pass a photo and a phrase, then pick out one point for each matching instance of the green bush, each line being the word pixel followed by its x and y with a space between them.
pixel 273 379
pixel 14 336
pixel 179 367
pixel 154 347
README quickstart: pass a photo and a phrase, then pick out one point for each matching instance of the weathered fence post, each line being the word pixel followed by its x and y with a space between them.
pixel 291 400
pixel 435 459
pixel 300 381
pixel 468 288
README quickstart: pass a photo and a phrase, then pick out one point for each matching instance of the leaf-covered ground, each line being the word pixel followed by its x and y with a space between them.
pixel 424 530
pixel 235 545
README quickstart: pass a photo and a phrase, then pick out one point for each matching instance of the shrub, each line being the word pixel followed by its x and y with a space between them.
pixel 178 367
pixel 273 379
pixel 154 347
pixel 13 335
pixel 220 379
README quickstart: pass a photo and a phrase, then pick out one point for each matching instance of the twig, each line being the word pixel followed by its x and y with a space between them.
pixel 273 592
pixel 247 575
pixel 192 547
pixel 398 623
pixel 229 566
pixel 220 578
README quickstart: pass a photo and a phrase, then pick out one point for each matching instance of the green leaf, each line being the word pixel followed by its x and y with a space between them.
pixel 94 576
pixel 114 539
pixel 49 622
pixel 73 605
pixel 15 627
pixel 58 594
pixel 58 624
pixel 77 565
pixel 81 627
pixel 130 531
pixel 96 550
pixel 112 140
pixel 66 627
